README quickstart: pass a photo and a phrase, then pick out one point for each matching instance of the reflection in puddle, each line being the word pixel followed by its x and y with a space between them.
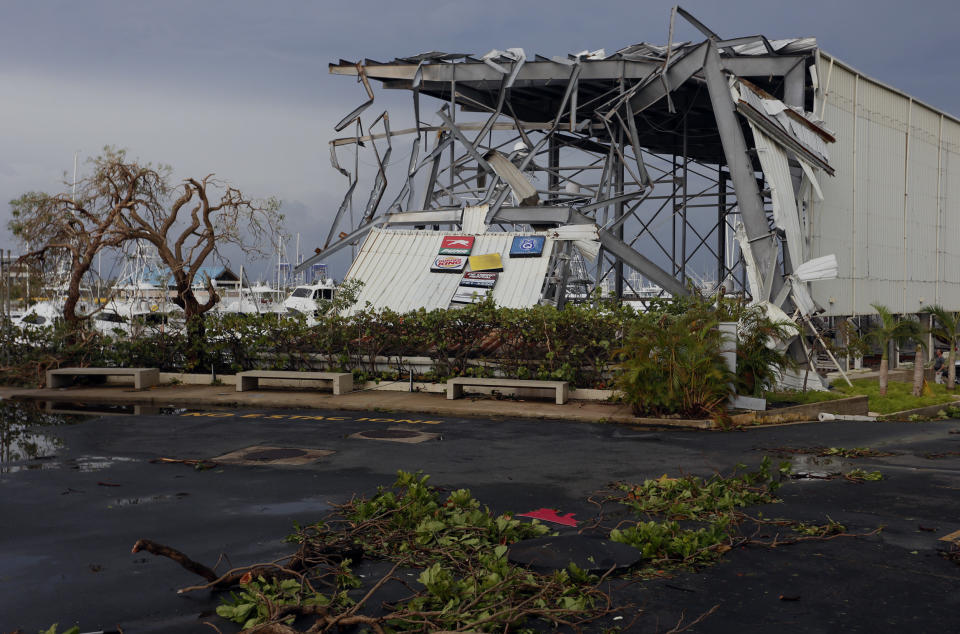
pixel 94 463
pixel 108 409
pixel 808 467
pixel 25 447
pixel 287 508
pixel 21 438
pixel 151 499
pixel 84 464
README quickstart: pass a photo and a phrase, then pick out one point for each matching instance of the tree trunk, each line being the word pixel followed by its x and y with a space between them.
pixel 196 339
pixel 951 367
pixel 73 295
pixel 884 367
pixel 919 361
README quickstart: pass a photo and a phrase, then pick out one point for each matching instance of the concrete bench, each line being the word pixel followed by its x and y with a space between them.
pixel 342 381
pixel 142 377
pixel 455 386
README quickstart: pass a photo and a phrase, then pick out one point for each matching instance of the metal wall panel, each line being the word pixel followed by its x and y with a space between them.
pixel 895 194
pixel 394 267
pixel 832 228
pixel 920 262
pixel 881 149
pixel 948 292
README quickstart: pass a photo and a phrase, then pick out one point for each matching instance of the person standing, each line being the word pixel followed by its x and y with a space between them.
pixel 939 368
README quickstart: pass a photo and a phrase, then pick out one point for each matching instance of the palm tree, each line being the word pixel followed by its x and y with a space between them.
pixel 919 360
pixel 890 329
pixel 946 328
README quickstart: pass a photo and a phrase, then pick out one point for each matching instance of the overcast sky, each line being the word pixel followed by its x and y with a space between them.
pixel 241 88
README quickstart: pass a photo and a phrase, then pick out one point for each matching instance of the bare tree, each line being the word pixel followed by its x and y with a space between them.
pixel 80 225
pixel 124 201
pixel 207 216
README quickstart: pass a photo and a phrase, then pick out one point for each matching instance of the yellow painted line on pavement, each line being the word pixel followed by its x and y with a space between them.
pixel 303 417
pixel 953 537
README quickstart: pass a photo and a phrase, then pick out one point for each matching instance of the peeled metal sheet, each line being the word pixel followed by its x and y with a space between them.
pixel 754 279
pixel 822 268
pixel 585 238
pixel 474 219
pixel 776 168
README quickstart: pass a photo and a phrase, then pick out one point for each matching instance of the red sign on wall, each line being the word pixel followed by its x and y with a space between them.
pixel 456 245
pixel 449 263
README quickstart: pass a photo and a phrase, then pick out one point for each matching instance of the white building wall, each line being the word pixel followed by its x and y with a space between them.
pixel 896 193
pixel 920 261
pixel 949 239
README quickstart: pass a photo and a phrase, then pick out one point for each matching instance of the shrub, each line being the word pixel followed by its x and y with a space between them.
pixel 671 364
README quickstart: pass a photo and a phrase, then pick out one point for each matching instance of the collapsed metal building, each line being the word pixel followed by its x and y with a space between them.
pixel 765 167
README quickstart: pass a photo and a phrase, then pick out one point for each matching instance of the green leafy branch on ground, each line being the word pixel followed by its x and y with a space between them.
pixel 715 501
pixel 411 521
pixel 465 580
pixel 819 530
pixel 694 498
pixel 459 545
pixel 862 475
pixel 825 452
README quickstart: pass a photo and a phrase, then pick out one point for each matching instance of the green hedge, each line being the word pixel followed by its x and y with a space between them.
pixel 575 344
pixel 665 360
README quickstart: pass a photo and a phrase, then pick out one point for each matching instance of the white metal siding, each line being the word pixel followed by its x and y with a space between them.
pixel 394 267
pixel 949 269
pixel 920 262
pixel 889 203
pixel 833 228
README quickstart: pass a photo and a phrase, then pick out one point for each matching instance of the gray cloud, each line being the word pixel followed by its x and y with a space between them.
pixel 241 88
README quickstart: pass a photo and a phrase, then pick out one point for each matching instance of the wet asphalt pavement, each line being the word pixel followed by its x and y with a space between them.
pixel 71 513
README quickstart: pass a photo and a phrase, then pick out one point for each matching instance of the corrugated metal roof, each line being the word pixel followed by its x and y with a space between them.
pixel 394 267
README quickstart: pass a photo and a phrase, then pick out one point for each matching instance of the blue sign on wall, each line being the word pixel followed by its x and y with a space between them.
pixel 527 246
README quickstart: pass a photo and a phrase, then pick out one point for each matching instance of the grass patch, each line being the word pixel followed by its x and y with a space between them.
pixel 899 395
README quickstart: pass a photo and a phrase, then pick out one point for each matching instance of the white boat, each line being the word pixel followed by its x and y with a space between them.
pixel 304 298
pixel 258 299
pixel 42 314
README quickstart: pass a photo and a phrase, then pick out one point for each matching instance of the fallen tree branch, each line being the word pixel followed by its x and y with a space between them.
pixel 677 629
pixel 174 554
pixel 237 575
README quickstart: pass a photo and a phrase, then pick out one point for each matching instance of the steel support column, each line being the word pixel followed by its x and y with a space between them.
pixel 742 173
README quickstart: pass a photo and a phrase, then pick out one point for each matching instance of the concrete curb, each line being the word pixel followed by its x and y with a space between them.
pixel 225 396
pixel 806 413
pixel 929 410
pixel 429 400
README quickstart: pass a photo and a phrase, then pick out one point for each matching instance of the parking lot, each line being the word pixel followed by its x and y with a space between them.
pixel 72 510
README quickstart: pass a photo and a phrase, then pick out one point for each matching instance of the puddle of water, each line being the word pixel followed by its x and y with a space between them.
pixel 22 438
pixel 808 468
pixel 84 464
pixel 151 499
pixel 87 464
pixel 108 409
pixel 289 508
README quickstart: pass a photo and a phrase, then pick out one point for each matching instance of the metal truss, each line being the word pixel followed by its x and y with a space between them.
pixel 648 144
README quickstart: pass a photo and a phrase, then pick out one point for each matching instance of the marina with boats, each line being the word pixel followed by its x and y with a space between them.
pixel 142 296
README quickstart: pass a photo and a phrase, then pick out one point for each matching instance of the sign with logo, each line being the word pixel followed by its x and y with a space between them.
pixel 449 263
pixel 469 295
pixel 527 246
pixel 486 262
pixel 479 279
pixel 456 245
